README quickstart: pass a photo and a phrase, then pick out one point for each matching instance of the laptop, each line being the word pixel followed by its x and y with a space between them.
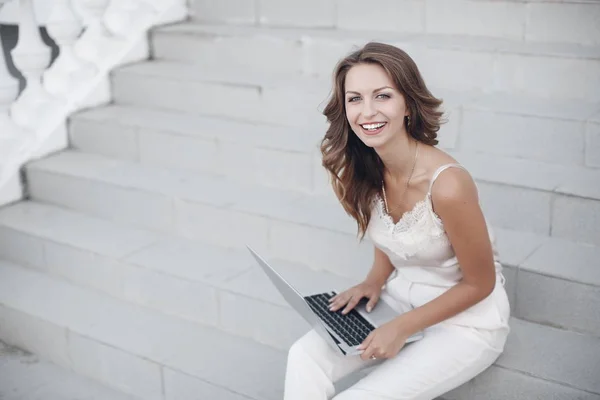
pixel 343 333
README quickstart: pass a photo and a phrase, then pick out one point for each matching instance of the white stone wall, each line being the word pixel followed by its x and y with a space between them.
pixel 534 21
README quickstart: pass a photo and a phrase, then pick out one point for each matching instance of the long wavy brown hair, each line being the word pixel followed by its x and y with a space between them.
pixel 355 169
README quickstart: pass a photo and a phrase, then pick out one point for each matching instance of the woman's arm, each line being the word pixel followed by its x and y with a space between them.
pixel 381 270
pixel 457 204
pixel 370 287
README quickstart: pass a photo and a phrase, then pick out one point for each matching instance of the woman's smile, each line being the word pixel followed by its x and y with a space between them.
pixel 373 128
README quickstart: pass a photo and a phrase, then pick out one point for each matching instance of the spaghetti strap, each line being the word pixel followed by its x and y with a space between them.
pixel 439 171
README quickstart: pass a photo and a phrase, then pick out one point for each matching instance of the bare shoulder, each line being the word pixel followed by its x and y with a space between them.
pixel 453 186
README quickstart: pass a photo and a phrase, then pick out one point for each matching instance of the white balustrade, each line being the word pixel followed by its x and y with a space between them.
pixel 9 88
pixel 67 72
pixel 112 30
pixel 94 45
pixel 31 56
pixel 126 16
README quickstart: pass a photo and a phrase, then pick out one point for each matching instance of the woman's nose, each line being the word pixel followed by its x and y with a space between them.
pixel 368 109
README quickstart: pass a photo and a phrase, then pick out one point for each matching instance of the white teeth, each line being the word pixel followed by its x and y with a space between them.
pixel 373 126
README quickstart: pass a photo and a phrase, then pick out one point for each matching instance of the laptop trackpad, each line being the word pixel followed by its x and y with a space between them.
pixel 379 315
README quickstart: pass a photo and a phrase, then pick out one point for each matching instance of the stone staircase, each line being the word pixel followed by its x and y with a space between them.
pixel 126 263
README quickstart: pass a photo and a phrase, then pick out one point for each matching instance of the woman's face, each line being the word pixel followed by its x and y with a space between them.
pixel 374 107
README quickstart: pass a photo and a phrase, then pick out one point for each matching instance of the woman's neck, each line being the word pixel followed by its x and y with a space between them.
pixel 397 157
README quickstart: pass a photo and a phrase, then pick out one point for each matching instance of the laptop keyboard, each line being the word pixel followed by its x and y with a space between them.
pixel 352 327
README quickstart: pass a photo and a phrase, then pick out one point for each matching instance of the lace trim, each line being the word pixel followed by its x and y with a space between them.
pixel 409 219
pixel 415 231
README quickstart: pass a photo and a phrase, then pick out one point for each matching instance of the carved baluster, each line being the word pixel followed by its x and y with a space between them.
pixel 31 56
pixel 95 43
pixel 66 73
pixel 125 16
pixel 9 89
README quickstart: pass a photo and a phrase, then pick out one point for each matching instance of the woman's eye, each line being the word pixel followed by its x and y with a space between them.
pixel 352 99
pixel 383 96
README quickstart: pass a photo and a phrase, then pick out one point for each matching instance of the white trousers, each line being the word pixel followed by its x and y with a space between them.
pixel 448 356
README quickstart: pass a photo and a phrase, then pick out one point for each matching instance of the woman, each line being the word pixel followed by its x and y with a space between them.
pixel 433 251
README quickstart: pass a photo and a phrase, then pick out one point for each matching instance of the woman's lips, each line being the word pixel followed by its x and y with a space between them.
pixel 373 132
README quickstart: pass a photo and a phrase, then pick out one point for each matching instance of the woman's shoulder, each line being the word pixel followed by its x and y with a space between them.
pixel 449 179
pixel 436 160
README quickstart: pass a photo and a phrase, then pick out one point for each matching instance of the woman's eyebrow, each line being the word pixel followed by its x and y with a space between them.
pixel 376 90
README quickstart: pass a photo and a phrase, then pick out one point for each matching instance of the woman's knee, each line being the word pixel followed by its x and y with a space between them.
pixel 296 351
pixel 302 348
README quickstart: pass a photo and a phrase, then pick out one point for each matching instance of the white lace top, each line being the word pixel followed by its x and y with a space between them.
pixel 419 249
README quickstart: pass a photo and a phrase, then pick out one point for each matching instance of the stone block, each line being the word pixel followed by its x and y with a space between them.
pixel 26 376
pixel 35 335
pixel 193 301
pixel 220 226
pixel 180 386
pixel 557 302
pixel 320 56
pixel 104 138
pixel 502 384
pixel 246 50
pixel 407 16
pixel 569 358
pixel 466 17
pixel 177 151
pixel 321 249
pixel 516 208
pixel 84 267
pixel 143 208
pixel 576 219
pixel 75 229
pixel 193 261
pixel 547 77
pixel 461 70
pixel 123 371
pixel 255 319
pixel 300 109
pixel 515 247
pixel 532 138
pixel 578 22
pixel 21 248
pixel 308 13
pixel 228 11
pixel 448 134
pixel 511 275
pixel 592 144
pixel 576 262
pixel 239 364
pixel 268 167
pixel 186 96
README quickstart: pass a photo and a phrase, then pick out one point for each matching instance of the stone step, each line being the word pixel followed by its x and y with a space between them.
pixel 469 63
pixel 556 132
pixel 132 349
pixel 573 21
pixel 160 357
pixel 515 126
pixel 194 281
pixel 547 200
pixel 24 376
pixel 138 265
pixel 172 139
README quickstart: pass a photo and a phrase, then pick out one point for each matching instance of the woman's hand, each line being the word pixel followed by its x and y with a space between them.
pixel 384 342
pixel 350 298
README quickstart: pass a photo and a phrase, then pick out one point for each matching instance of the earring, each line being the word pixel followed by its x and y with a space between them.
pixel 408 121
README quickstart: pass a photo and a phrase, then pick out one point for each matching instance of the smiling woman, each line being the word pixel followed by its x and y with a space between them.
pixel 433 251
pixel 379 85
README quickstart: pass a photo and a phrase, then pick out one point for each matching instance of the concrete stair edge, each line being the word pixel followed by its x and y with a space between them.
pixel 148 268
pixel 170 358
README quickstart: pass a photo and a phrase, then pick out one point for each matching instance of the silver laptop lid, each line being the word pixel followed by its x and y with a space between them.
pixel 296 300
pixel 289 293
